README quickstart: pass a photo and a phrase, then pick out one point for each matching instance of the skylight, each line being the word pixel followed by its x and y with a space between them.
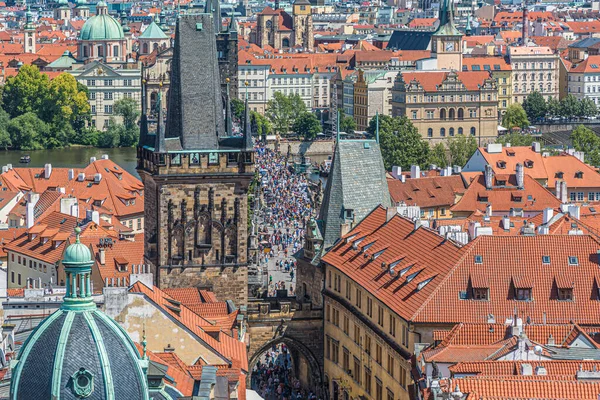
pixel 478 259
pixel 546 259
pixel 573 260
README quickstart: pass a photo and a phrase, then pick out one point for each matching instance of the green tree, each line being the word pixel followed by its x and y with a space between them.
pixel 516 139
pixel 237 109
pixel 461 149
pixel 5 141
pixel 586 140
pixel 438 156
pixel 553 107
pixel 400 142
pixel 587 108
pixel 307 125
pixel 112 136
pixel 25 92
pixel 535 106
pixel 569 106
pixel 261 126
pixel 515 116
pixel 347 123
pixel 128 110
pixel 27 132
pixel 283 110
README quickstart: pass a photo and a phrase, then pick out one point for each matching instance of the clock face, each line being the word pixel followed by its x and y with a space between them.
pixel 450 46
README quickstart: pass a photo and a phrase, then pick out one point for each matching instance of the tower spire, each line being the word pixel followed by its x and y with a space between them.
pixel 159 145
pixel 144 117
pixel 377 127
pixel 228 116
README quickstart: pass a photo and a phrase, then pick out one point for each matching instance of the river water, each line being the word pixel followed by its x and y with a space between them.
pixel 77 157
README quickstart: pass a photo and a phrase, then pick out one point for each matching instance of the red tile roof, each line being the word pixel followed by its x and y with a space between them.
pixel 427 192
pixel 430 80
pixel 532 198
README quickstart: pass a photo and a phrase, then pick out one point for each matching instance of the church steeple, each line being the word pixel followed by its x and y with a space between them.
pixel 159 145
pixel 247 124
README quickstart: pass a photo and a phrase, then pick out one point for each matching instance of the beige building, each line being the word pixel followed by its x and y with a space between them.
pixel 372 95
pixel 534 69
pixel 445 104
pixel 278 29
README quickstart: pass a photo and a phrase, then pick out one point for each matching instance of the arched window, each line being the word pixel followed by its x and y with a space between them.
pixel 100 51
pixel 145 48
pixel 451 131
pixel 116 51
pixel 285 42
pixel 30 42
pixel 430 132
pixel 473 131
pixel 154 46
pixel 461 113
pixel 443 132
pixel 153 97
pixel 443 113
pixel 451 113
pixel 549 87
pixel 460 131
pixel 85 51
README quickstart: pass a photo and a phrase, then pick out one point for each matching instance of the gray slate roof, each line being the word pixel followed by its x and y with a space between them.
pixel 410 40
pixel 356 182
pixel 195 112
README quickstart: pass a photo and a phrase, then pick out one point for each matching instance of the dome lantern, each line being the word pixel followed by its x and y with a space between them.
pixel 78 263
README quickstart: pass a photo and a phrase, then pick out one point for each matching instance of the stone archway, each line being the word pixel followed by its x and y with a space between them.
pixel 313 375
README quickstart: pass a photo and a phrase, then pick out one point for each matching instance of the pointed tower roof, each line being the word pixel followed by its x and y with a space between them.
pixel 195 113
pixel 248 145
pixel 447 27
pixel 153 31
pixel 160 145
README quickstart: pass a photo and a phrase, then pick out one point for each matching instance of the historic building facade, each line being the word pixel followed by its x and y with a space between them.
pixel 278 29
pixel 445 104
pixel 196 175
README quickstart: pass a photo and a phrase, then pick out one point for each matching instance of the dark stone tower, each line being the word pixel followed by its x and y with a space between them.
pixel 227 45
pixel 196 176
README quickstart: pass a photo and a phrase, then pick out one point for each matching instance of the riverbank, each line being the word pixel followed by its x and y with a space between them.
pixel 76 157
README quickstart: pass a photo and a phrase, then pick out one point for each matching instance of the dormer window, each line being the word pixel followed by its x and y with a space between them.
pixel 523 288
pixel 480 293
pixel 348 214
pixel 579 174
pixel 560 174
pixel 500 182
pixel 523 294
pixel 482 197
pixel 510 152
pixel 528 164
pixel 565 294
pixel 517 197
pixel 501 164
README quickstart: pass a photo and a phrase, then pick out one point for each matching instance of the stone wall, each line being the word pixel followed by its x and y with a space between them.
pixel 304 148
pixel 309 283
pixel 228 283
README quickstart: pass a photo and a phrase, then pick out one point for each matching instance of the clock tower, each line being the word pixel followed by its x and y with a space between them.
pixel 447 40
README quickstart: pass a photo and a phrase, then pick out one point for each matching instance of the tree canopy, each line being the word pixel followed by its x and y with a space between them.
pixel 516 139
pixel 461 149
pixel 61 104
pixel 307 125
pixel 535 106
pixel 515 117
pixel 283 110
pixel 438 156
pixel 586 140
pixel 400 142
pixel 347 123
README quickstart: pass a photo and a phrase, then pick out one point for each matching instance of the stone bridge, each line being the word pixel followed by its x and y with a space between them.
pixel 276 320
pixel 318 150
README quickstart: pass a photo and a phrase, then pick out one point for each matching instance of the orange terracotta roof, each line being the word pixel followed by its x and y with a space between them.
pixel 419 259
pixel 225 345
pixel 431 80
pixel 519 257
pixel 532 198
pixel 427 192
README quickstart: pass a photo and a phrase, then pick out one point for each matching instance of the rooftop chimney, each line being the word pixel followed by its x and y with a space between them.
pixel 520 176
pixel 97 177
pixel 557 189
pixel 71 174
pixel 415 172
pixel 563 192
pixel 105 156
pixel 536 146
pixel 488 210
pixel 551 341
pixel 396 172
pixel 525 26
pixel 47 171
pixel 81 177
pixel 548 214
pixel 92 160
pixel 102 255
pixel 489 174
pixel 30 215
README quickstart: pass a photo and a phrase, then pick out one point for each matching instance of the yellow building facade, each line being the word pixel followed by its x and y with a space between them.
pixel 367 345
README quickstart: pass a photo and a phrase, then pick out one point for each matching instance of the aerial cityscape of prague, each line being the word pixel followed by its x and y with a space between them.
pixel 300 200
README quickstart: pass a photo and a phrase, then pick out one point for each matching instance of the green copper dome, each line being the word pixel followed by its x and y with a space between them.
pixel 101 27
pixel 77 253
pixel 78 351
pixel 63 2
